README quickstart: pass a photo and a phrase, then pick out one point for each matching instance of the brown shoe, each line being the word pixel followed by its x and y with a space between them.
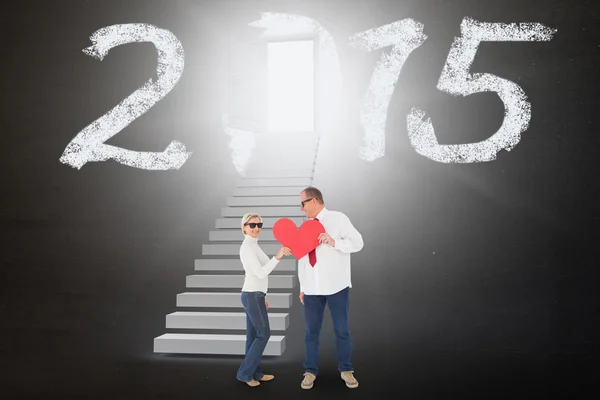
pixel 308 381
pixel 266 378
pixel 348 377
pixel 253 383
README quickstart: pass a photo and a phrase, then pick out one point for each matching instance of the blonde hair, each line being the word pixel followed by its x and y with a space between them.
pixel 247 217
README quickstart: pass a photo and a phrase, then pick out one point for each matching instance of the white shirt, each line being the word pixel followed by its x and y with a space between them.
pixel 256 264
pixel 331 272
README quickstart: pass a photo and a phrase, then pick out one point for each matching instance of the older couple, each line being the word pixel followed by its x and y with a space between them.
pixel 324 276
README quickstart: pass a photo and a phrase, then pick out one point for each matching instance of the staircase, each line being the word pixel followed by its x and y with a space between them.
pixel 281 168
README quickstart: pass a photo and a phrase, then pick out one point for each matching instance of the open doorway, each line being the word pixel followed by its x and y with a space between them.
pixel 291 86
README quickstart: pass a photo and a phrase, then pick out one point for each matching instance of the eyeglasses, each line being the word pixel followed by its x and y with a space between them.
pixel 305 201
pixel 253 225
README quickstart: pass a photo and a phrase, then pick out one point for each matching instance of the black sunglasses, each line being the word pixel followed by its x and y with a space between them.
pixel 254 224
pixel 304 201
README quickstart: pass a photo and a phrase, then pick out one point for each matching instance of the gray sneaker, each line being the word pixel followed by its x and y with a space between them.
pixel 308 381
pixel 348 377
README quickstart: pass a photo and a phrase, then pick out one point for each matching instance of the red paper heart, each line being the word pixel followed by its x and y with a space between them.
pixel 299 240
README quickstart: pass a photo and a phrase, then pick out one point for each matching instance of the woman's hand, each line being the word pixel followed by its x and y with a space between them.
pixel 283 251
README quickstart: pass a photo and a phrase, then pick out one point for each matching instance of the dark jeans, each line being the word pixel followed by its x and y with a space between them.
pixel 314 307
pixel 258 333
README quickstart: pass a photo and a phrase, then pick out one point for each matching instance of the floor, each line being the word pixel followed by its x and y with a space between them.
pixel 383 373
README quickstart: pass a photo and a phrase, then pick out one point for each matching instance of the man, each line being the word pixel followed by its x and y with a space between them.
pixel 324 278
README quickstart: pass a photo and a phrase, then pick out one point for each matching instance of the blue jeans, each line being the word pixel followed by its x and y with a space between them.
pixel 258 333
pixel 314 307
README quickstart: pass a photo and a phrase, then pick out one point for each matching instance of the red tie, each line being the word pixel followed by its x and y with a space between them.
pixel 312 256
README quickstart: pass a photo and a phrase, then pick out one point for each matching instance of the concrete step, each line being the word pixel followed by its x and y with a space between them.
pixel 283 148
pixel 270 152
pixel 235 223
pixel 232 235
pixel 266 235
pixel 269 191
pixel 234 264
pixel 278 173
pixel 237 281
pixel 282 164
pixel 221 320
pixel 187 343
pixel 264 201
pixel 268 157
pixel 297 138
pixel 262 211
pixel 207 299
pixel 234 249
pixel 245 182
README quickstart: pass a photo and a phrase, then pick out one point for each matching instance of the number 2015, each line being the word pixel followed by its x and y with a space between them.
pixel 402 36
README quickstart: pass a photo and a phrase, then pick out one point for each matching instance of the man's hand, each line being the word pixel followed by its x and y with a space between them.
pixel 267 304
pixel 301 297
pixel 325 238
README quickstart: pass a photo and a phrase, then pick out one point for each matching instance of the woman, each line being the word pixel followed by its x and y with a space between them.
pixel 258 267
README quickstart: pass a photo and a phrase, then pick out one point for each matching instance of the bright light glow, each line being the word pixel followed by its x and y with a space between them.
pixel 291 82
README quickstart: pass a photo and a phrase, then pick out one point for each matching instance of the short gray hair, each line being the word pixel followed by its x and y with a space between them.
pixel 247 217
